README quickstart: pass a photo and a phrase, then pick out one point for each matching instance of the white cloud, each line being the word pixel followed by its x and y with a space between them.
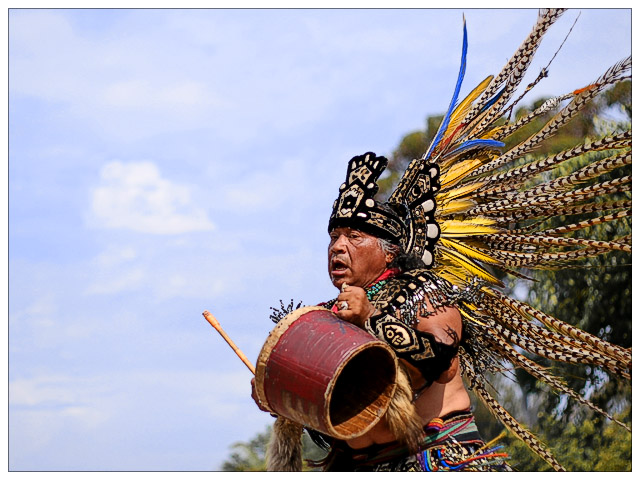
pixel 135 196
pixel 51 391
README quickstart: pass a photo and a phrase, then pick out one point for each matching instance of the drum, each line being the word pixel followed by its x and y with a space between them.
pixel 325 373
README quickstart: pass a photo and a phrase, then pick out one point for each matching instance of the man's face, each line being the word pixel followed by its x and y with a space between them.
pixel 355 257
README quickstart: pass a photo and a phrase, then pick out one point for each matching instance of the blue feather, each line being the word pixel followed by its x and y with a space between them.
pixel 493 100
pixel 454 100
pixel 477 143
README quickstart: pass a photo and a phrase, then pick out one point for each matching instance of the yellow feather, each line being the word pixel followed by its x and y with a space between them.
pixel 489 291
pixel 493 132
pixel 455 276
pixel 459 228
pixel 485 156
pixel 481 221
pixel 455 206
pixel 453 280
pixel 471 318
pixel 473 269
pixel 460 191
pixel 468 251
pixel 471 306
pixel 457 172
pixel 463 108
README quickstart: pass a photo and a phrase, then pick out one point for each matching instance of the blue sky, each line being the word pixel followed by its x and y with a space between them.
pixel 163 162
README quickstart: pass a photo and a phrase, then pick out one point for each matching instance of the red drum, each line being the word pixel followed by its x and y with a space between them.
pixel 326 374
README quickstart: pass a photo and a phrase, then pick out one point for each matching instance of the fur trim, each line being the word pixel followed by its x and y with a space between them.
pixel 284 452
pixel 402 418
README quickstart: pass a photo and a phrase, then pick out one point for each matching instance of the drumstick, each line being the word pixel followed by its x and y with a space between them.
pixel 215 324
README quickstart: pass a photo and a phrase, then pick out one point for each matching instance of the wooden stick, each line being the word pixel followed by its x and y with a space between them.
pixel 215 324
pixel 284 422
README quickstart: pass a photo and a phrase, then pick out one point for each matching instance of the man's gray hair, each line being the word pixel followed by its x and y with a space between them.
pixel 401 260
pixel 389 247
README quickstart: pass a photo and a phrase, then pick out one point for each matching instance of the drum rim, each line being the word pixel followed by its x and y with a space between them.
pixel 379 343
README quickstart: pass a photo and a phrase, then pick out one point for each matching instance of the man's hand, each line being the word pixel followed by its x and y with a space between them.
pixel 354 306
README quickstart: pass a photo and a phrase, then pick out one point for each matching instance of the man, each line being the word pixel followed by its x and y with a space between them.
pixel 358 262
pixel 392 295
pixel 438 301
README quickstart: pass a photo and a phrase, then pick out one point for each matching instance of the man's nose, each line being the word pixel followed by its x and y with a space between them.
pixel 339 245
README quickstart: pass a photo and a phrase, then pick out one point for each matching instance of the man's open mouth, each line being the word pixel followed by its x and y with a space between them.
pixel 338 267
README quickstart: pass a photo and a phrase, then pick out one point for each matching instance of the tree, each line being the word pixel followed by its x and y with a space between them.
pixel 251 456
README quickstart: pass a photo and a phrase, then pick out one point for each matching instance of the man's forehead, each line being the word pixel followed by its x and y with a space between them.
pixel 349 230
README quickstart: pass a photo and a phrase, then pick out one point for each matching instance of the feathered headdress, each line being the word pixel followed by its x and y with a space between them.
pixel 471 207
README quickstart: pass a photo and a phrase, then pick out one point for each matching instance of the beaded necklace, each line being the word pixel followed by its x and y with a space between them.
pixel 371 290
pixel 375 288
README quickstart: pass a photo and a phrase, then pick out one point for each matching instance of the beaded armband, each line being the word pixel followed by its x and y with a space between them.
pixel 420 349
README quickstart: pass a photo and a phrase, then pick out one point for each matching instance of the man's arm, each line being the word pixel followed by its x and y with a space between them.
pixel 430 350
pixel 445 324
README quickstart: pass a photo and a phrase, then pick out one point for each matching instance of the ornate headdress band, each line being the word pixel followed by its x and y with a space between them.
pixel 407 219
pixel 356 207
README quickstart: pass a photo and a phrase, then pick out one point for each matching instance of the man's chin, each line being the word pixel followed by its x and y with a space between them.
pixel 338 281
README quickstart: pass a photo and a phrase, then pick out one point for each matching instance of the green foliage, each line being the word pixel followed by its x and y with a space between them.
pixel 596 298
pixel 619 95
pixel 251 456
pixel 591 444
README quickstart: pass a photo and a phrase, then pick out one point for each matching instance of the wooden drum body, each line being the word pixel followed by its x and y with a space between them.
pixel 325 373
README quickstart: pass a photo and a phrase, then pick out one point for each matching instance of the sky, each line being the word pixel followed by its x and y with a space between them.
pixel 164 162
